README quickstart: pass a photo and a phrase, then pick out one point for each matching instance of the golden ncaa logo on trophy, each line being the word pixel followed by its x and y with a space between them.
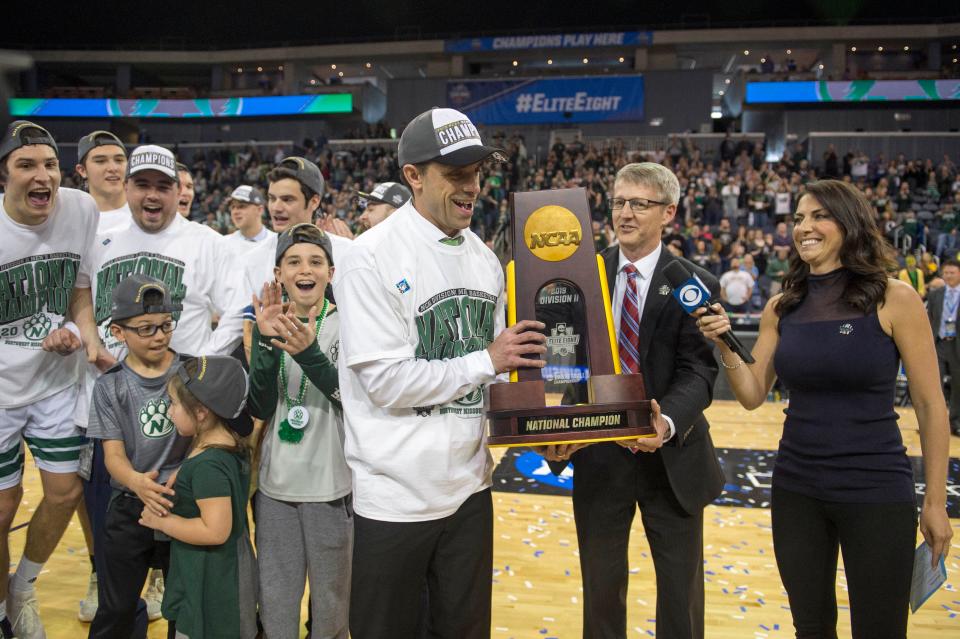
pixel 557 277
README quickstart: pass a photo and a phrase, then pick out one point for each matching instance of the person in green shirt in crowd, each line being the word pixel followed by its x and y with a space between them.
pixel 777 266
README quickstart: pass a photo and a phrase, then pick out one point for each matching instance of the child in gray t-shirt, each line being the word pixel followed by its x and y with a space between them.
pixel 142 449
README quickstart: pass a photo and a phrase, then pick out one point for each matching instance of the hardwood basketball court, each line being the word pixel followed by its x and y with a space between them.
pixel 536 578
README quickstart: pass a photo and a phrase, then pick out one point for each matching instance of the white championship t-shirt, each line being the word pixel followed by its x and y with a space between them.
pixel 416 318
pixel 114 220
pixel 194 265
pixel 39 268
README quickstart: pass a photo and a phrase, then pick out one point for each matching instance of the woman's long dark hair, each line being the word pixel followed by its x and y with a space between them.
pixel 864 253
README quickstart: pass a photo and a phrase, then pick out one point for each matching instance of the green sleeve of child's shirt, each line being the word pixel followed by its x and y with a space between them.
pixel 210 479
pixel 321 372
pixel 264 369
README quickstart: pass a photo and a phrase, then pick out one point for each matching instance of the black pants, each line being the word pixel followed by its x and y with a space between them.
pixel 877 541
pixel 123 562
pixel 96 499
pixel 453 556
pixel 948 356
pixel 610 484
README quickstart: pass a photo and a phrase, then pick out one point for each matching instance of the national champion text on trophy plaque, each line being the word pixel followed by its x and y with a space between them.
pixel 556 277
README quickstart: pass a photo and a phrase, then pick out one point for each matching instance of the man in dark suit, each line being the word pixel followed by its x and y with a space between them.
pixel 942 310
pixel 670 477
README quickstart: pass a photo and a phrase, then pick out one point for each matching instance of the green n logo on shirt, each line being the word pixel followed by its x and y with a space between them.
pixel 154 422
pixel 37 327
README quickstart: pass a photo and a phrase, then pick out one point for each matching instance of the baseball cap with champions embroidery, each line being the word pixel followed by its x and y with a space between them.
pixel 151 157
pixel 248 194
pixel 445 136
pixel 392 193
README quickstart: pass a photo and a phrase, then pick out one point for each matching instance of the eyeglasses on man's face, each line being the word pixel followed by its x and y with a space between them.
pixel 637 204
pixel 149 330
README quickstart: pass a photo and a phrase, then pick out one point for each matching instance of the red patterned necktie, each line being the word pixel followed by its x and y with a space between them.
pixel 628 337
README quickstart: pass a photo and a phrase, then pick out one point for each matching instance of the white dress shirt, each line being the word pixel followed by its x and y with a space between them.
pixel 645 267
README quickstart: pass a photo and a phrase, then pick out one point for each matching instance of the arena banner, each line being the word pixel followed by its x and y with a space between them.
pixel 852 91
pixel 551 41
pixel 198 108
pixel 546 101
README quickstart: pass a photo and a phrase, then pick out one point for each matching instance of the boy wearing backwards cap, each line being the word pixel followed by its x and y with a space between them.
pixel 303 506
pixel 103 164
pixel 212 587
pixel 48 237
pixel 383 200
pixel 422 334
pixel 130 413
pixel 293 197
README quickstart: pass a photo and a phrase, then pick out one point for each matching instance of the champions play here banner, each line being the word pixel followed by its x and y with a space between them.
pixel 547 101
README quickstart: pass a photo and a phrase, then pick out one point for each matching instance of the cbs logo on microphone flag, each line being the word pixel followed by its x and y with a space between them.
pixel 691 294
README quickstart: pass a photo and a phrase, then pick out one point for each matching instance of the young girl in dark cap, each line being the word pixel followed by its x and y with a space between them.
pixel 212 584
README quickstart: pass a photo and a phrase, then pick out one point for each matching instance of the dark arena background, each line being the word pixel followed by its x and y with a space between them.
pixel 744 100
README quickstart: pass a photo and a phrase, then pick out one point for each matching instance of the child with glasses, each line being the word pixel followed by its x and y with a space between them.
pixel 130 413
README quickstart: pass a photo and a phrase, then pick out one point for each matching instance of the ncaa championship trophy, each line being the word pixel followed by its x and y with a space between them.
pixel 556 277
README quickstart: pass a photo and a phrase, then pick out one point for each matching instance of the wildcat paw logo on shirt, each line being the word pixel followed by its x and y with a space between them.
pixel 37 327
pixel 154 422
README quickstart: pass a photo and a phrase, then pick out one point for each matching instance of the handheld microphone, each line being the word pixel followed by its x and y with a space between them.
pixel 692 293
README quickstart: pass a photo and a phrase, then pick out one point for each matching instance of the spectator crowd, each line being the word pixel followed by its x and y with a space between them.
pixel 734 216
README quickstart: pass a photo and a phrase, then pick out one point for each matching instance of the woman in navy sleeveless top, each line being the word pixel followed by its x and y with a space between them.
pixel 842 480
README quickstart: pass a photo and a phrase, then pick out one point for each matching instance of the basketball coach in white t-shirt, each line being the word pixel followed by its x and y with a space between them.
pixel 422 305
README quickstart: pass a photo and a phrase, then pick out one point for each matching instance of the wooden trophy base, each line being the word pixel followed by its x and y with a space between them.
pixel 519 415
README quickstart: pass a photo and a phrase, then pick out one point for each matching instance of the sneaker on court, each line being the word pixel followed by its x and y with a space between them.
pixel 88 605
pixel 24 614
pixel 154 595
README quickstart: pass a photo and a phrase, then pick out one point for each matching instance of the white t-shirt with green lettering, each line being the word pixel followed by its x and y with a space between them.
pixel 416 318
pixel 194 265
pixel 39 268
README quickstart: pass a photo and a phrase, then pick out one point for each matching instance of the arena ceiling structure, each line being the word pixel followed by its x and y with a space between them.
pixel 182 25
